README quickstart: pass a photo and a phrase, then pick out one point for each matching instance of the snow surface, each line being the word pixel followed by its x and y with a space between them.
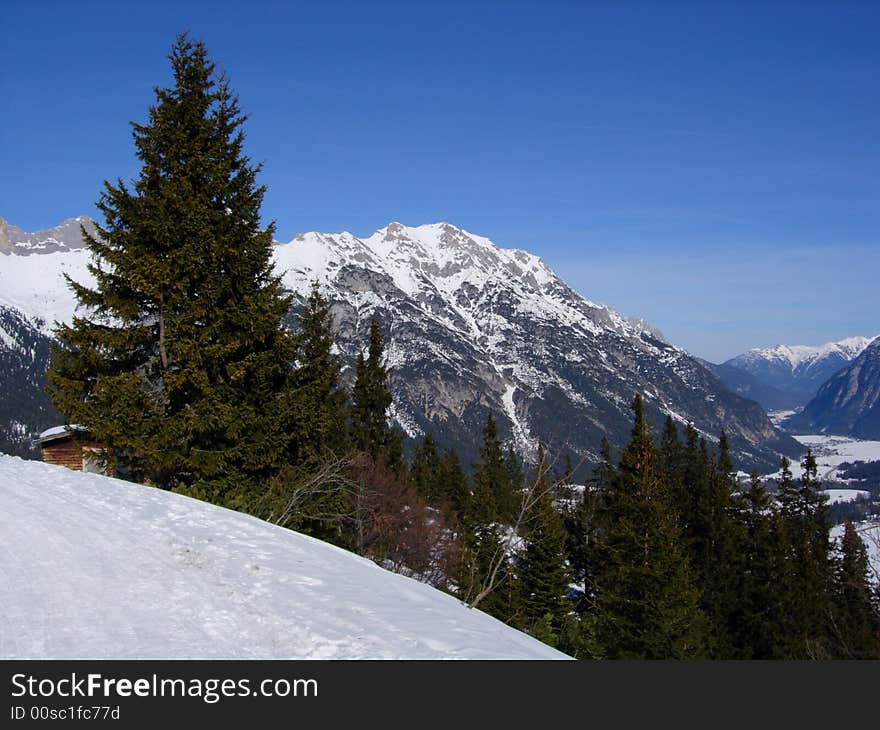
pixel 845 495
pixel 58 430
pixel 832 451
pixel 35 285
pixel 94 567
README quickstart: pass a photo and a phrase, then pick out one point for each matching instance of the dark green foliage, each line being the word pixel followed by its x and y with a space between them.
pixel 425 470
pixel 181 366
pixel 542 569
pixel 807 600
pixel 493 490
pixel 856 621
pixel 755 619
pixel 647 605
pixel 371 400
pixel 452 483
pixel 715 555
pixel 320 402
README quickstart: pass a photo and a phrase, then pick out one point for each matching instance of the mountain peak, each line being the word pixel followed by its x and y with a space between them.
pixel 63 237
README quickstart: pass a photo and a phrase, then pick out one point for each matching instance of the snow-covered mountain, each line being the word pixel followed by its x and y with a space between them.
pixel 63 237
pixel 798 370
pixel 472 328
pixel 848 404
pixel 25 409
pixel 97 568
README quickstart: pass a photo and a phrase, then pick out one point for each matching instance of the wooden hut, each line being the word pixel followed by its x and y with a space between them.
pixel 71 446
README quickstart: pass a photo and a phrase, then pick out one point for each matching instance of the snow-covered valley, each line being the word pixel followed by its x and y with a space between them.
pixel 833 451
pixel 94 567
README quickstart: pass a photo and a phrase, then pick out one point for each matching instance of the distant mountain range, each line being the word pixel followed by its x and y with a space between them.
pixel 786 377
pixel 470 328
pixel 849 402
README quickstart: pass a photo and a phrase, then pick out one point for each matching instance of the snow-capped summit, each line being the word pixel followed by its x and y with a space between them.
pixel 848 403
pixel 439 259
pixel 63 237
pixel 797 356
pixel 472 327
pixel 799 369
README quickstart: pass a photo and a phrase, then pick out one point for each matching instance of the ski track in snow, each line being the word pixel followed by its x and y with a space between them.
pixel 94 567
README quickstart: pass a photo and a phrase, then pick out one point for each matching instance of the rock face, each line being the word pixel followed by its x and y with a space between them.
pixel 798 370
pixel 750 386
pixel 470 329
pixel 64 237
pixel 849 402
pixel 25 409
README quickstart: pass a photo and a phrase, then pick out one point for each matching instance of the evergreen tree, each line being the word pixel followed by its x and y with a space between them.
pixel 425 471
pixel 371 400
pixel 321 403
pixel 755 616
pixel 181 366
pixel 808 579
pixel 543 573
pixel 720 581
pixel 452 483
pixel 647 603
pixel 514 477
pixel 492 476
pixel 583 526
pixel 670 454
pixel 857 630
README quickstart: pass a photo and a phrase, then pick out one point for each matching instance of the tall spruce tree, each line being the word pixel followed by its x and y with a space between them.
pixel 856 623
pixel 720 578
pixel 452 483
pixel 425 471
pixel 543 570
pixel 493 472
pixel 371 400
pixel 755 616
pixel 806 518
pixel 321 402
pixel 647 602
pixel 180 365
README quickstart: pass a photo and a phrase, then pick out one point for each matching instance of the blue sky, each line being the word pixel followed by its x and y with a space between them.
pixel 713 168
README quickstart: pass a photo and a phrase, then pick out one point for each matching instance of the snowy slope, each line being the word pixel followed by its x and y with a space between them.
pixel 93 567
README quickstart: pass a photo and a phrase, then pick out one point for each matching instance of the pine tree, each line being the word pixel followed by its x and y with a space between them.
pixel 542 571
pixel 181 366
pixel 669 455
pixel 856 626
pixel 452 483
pixel 808 580
pixel 321 402
pixel 755 616
pixel 425 470
pixel 647 603
pixel 371 400
pixel 720 581
pixel 492 475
